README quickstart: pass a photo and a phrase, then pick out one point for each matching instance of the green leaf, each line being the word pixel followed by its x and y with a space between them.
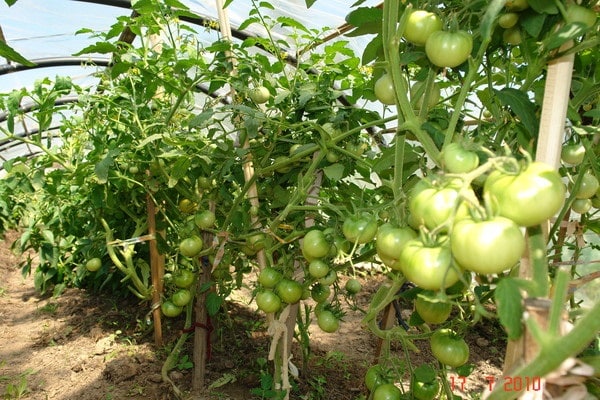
pixel 365 15
pixel 520 104
pixel 424 373
pixel 8 52
pixel 543 6
pixel 10 2
pixel 533 23
pixel 564 34
pixel 508 300
pixel 489 18
pixel 309 3
pixel 334 172
pixel 99 47
pixel 213 303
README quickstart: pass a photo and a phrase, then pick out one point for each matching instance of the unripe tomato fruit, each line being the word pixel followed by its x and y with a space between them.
pixel 353 286
pixel 528 197
pixel 572 154
pixel 169 309
pixel 93 264
pixel 191 247
pixel 588 186
pixel 269 277
pixel 318 268
pixel 458 160
pixel 581 206
pixel 387 391
pixel 187 206
pixel 448 49
pixel 268 302
pixel 205 219
pixel 183 278
pixel 487 247
pixel 259 94
pixel 315 245
pixel 432 312
pixel 181 297
pixel 327 321
pixel 429 267
pixel 508 20
pixel 359 229
pixel 448 348
pixel 420 25
pixel 517 5
pixel 384 90
pixel 289 291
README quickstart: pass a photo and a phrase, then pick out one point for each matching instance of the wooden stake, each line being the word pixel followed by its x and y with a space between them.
pixel 157 271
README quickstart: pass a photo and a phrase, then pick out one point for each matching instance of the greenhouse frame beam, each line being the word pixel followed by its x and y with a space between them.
pixel 53 62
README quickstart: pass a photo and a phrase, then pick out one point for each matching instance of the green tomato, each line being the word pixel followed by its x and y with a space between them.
pixel 269 277
pixel 572 154
pixel 183 278
pixel 289 291
pixel 417 95
pixel 508 20
pixel 170 310
pixel 191 247
pixel 420 25
pixel 528 197
pixel 433 205
pixel 458 160
pixel 389 242
pixel 187 206
pixel 424 390
pixel 431 268
pixel 93 264
pixel 329 279
pixel 588 186
pixel 512 36
pixel 384 90
pixel 353 286
pixel 320 293
pixel 581 206
pixel 432 312
pixel 205 219
pixel 580 14
pixel 318 268
pixel 181 297
pixel 448 49
pixel 327 321
pixel 259 94
pixel 268 302
pixel 387 391
pixel 449 348
pixel 315 245
pixel 487 247
pixel 375 377
pixel 359 229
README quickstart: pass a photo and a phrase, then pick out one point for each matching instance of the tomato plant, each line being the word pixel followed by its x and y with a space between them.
pixel 389 242
pixel 487 246
pixel 318 268
pixel 205 219
pixel 320 292
pixel 449 348
pixel 424 384
pixel 435 204
pixel 420 25
pixel 376 376
pixel 517 5
pixel 581 206
pixel 448 49
pixel 269 277
pixel 529 196
pixel 353 286
pixel 508 20
pixel 587 187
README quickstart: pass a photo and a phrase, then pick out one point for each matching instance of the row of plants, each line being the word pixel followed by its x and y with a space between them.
pixel 283 165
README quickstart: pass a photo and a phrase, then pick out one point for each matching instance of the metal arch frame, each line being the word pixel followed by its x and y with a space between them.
pixel 50 62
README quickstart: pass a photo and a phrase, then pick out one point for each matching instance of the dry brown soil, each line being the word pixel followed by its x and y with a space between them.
pixel 84 346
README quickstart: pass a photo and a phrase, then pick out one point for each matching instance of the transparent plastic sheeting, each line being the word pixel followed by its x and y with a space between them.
pixel 47 29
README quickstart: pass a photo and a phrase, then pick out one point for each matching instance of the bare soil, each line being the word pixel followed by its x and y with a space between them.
pixel 84 346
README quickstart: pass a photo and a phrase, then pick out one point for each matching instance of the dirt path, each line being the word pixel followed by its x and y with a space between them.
pixel 81 346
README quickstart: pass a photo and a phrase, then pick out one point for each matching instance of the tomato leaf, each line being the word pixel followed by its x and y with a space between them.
pixel 425 373
pixel 8 52
pixel 520 104
pixel 508 300
pixel 489 18
pixel 372 50
pixel 543 6
pixel 366 20
pixel 213 303
pixel 564 34
pixel 334 172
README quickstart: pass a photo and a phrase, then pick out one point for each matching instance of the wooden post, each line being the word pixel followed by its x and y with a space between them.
pixel 157 271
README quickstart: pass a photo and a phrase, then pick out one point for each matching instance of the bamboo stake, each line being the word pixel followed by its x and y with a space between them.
pixel 550 138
